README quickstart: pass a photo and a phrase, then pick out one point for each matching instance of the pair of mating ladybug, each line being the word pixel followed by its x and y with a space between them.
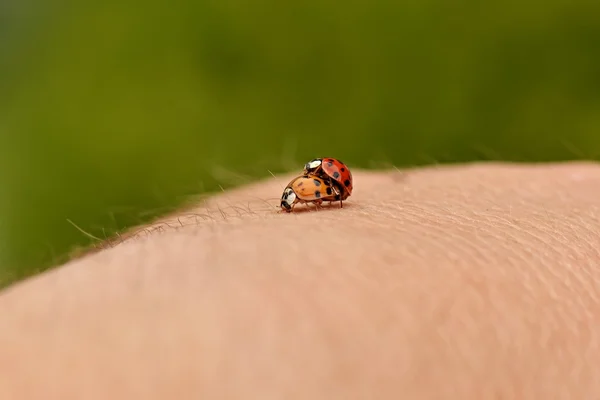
pixel 323 179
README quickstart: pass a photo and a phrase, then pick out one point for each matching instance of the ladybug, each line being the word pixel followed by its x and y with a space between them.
pixel 333 170
pixel 308 189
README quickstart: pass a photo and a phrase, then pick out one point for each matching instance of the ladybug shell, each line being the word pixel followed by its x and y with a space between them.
pixel 334 169
pixel 312 188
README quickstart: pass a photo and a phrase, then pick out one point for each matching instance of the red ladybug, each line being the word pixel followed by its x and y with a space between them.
pixel 336 171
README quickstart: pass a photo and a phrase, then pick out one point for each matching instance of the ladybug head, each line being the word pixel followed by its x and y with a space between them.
pixel 288 198
pixel 312 165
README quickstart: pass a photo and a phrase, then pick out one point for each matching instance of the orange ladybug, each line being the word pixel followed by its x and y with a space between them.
pixel 308 189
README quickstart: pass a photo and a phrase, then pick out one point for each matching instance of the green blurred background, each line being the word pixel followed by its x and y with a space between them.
pixel 113 112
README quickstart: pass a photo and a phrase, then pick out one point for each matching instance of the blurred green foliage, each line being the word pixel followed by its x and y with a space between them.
pixel 112 112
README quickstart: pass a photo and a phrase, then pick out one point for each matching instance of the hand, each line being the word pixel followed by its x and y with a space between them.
pixel 467 282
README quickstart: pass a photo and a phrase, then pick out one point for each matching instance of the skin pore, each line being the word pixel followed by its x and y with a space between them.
pixel 470 282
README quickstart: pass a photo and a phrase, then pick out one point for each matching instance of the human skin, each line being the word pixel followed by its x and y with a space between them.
pixel 465 282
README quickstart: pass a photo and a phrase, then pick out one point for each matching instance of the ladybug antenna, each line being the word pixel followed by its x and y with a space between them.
pixel 273 175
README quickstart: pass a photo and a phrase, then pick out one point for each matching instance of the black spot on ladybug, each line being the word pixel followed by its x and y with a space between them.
pixel 301 183
pixel 329 191
pixel 343 169
pixel 317 193
pixel 347 182
pixel 330 163
pixel 336 175
pixel 317 182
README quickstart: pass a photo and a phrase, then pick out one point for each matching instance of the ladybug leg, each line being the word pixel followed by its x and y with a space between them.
pixel 297 202
pixel 331 201
pixel 338 194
